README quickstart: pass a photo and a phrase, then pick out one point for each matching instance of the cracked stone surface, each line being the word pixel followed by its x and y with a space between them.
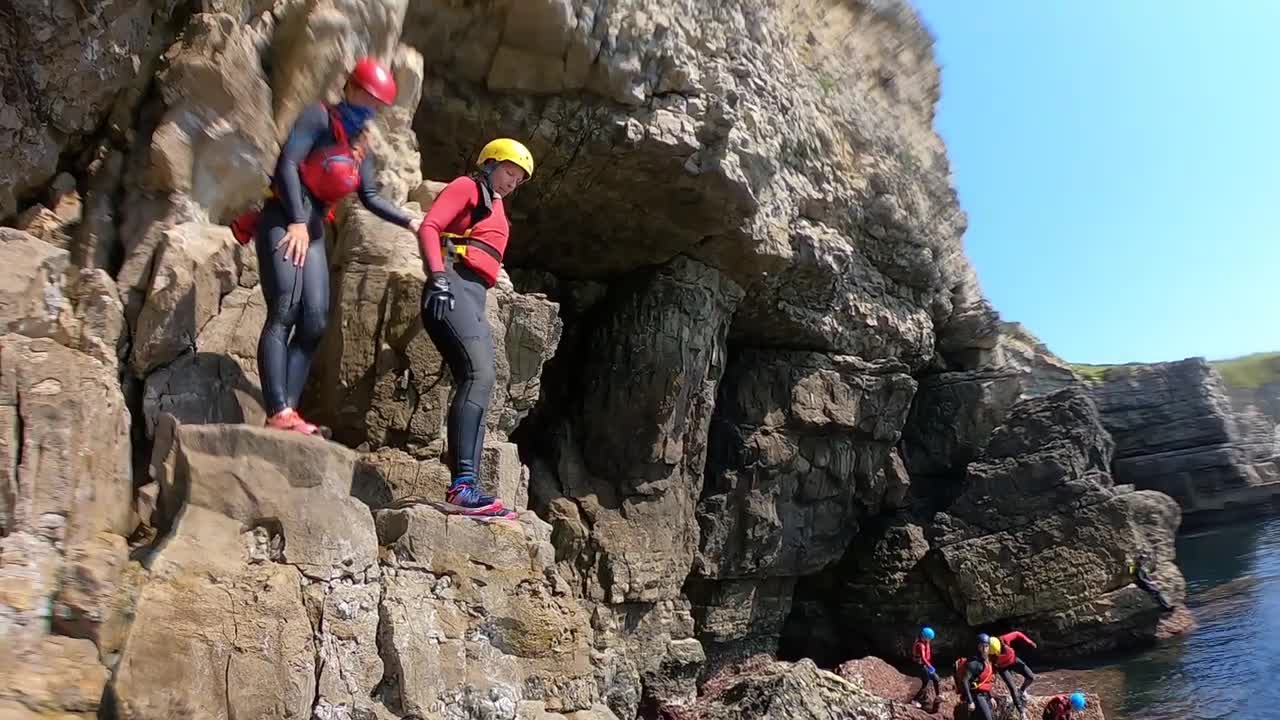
pixel 43 295
pixel 195 268
pixel 475 621
pixel 296 486
pixel 66 456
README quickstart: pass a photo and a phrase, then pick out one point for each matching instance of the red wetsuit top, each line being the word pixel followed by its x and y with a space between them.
pixel 1007 656
pixel 1058 708
pixel 922 652
pixel 451 213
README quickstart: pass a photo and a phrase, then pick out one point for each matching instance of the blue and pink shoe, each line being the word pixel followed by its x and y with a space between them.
pixel 464 499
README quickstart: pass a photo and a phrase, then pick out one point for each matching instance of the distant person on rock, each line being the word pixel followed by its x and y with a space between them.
pixel 322 161
pixel 975 679
pixel 922 654
pixel 462 240
pixel 1138 571
pixel 1060 707
pixel 1007 662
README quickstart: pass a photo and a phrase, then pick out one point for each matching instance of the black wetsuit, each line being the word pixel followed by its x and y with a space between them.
pixel 298 297
pixel 979 699
pixel 465 341
pixel 922 653
pixel 1143 581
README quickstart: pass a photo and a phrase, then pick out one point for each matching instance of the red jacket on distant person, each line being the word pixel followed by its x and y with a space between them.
pixel 1007 656
pixel 922 652
pixel 1058 708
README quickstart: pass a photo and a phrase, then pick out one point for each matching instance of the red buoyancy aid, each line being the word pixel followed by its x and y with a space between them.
pixel 1058 708
pixel 333 172
pixel 985 682
pixel 329 173
pixel 922 652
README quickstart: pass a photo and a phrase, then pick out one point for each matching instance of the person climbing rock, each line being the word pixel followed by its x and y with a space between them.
pixel 1060 707
pixel 922 654
pixel 322 161
pixel 1138 571
pixel 975 679
pixel 462 240
pixel 1006 662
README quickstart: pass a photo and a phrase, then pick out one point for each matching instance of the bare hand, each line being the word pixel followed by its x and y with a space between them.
pixel 416 223
pixel 295 242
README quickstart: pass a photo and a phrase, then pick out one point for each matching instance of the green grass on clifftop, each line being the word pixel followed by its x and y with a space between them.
pixel 1250 371
pixel 1092 373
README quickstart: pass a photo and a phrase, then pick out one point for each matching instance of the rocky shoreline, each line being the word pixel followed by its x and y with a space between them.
pixel 744 371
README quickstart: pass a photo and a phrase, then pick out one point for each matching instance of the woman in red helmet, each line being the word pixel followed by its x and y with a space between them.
pixel 322 161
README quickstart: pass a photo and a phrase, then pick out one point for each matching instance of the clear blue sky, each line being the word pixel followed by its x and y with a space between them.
pixel 1120 164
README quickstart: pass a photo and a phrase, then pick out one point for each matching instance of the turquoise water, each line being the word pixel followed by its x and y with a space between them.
pixel 1229 666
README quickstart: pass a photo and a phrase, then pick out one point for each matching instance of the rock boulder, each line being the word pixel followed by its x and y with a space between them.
pixel 530 641
pixel 1176 432
pixel 66 456
pixel 1040 507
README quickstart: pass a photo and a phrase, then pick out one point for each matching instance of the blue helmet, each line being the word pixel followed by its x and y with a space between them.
pixel 984 639
pixel 1078 701
pixel 927 633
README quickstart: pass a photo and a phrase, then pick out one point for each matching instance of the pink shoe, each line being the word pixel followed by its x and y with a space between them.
pixel 289 419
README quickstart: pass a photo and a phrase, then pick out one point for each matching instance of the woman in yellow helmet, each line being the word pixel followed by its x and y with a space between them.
pixel 462 240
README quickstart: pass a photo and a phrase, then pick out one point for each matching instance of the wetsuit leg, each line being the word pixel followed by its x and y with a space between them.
pixel 465 341
pixel 291 305
pixel 1006 675
pixel 983 704
pixel 1152 590
pixel 924 684
pixel 1028 677
pixel 314 316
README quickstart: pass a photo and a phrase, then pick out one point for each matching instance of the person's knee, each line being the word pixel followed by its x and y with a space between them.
pixel 482 372
pixel 312 326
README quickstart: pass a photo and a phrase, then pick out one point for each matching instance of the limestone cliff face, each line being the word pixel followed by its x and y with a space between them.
pixel 742 362
pixel 1176 431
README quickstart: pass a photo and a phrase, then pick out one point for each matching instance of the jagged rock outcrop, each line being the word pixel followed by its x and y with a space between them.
pixel 65 493
pixel 953 416
pixel 68 67
pixel 763 689
pixel 675 119
pixel 1176 432
pixel 802 450
pixel 66 462
pixel 1042 372
pixel 743 355
pixel 1040 505
pixel 532 640
pixel 1038 537
pixel 272 598
pixel 43 296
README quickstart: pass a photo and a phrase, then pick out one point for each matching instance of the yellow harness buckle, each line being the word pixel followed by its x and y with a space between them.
pixel 459 248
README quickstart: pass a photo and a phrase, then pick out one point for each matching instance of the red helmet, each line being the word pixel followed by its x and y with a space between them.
pixel 374 78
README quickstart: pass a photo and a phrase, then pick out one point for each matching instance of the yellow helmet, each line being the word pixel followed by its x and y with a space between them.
pixel 507 149
pixel 994 645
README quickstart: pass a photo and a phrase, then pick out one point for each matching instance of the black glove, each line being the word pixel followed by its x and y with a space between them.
pixel 437 301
